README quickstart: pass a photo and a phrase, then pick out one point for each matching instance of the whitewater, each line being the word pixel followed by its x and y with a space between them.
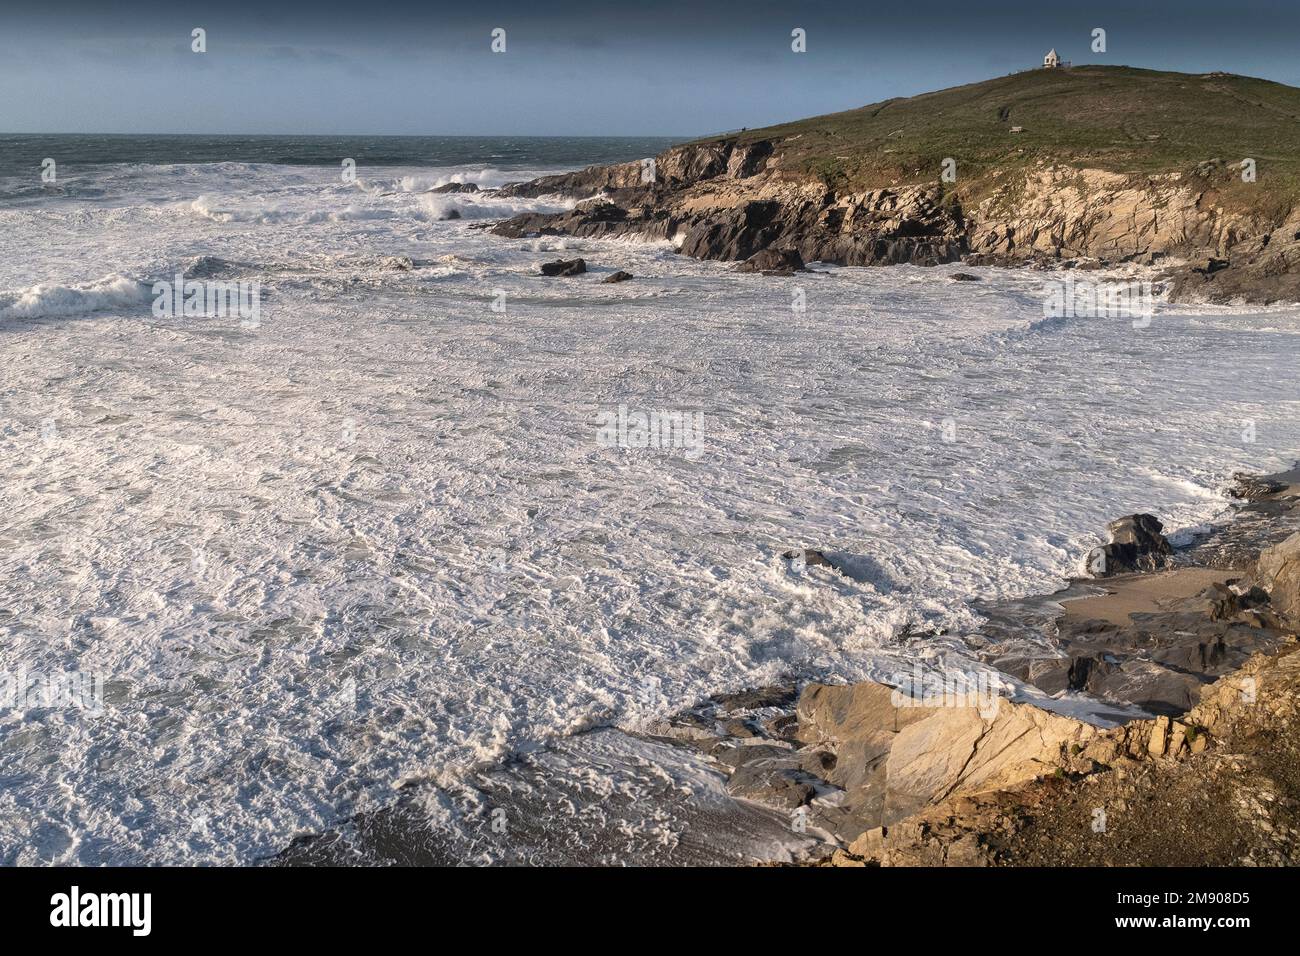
pixel 376 540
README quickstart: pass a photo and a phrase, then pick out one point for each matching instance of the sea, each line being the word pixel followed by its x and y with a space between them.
pixel 429 511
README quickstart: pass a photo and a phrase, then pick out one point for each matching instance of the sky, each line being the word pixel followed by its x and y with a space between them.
pixel 614 67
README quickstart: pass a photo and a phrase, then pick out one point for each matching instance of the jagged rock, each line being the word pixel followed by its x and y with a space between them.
pixel 777 695
pixel 748 160
pixel 1255 487
pixel 737 757
pixel 1136 545
pixel 564 267
pixel 595 220
pixel 727 219
pixel 1225 603
pixel 690 164
pixel 773 262
pixel 455 188
pixel 619 276
pixel 578 185
pixel 772 783
pixel 685 726
pixel 1278 572
pixel 895 755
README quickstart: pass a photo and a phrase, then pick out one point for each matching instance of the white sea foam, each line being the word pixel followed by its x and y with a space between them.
pixel 376 540
pixel 53 299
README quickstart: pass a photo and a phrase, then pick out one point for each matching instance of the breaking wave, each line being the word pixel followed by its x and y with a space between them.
pixel 48 299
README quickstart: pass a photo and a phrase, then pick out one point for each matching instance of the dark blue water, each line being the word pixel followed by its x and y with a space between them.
pixel 21 154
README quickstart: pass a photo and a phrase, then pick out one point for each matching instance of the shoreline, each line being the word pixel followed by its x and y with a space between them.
pixel 733 199
pixel 812 773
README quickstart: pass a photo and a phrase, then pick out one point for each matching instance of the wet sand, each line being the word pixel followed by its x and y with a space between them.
pixel 1143 594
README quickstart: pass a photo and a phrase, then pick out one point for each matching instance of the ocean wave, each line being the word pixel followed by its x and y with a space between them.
pixel 427 206
pixel 48 299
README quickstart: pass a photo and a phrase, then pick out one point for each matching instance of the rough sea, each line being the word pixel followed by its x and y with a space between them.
pixel 376 535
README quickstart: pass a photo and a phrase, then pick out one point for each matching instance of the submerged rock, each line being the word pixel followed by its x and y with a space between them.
pixel 773 262
pixel 455 188
pixel 564 267
pixel 963 277
pixel 771 782
pixel 619 276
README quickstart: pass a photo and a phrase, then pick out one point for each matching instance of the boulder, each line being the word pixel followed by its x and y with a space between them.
pixel 896 755
pixel 1278 573
pixel 564 267
pixel 455 188
pixel 1225 604
pixel 773 262
pixel 619 276
pixel 1136 544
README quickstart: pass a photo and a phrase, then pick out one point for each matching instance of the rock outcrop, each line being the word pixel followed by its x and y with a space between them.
pixel 1187 658
pixel 564 267
pixel 1278 573
pixel 1215 787
pixel 729 200
pixel 772 261
pixel 722 201
pixel 895 755
pixel 1136 544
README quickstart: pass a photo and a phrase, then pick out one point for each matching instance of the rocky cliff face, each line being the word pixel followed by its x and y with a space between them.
pixel 728 200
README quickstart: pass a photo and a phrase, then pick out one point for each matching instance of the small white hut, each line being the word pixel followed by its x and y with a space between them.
pixel 1051 61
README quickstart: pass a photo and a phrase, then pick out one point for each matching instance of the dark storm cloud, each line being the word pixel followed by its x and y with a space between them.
pixel 669 67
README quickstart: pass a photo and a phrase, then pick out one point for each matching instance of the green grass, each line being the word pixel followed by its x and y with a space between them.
pixel 1126 120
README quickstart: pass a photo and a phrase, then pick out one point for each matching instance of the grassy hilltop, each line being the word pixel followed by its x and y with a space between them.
pixel 1118 118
